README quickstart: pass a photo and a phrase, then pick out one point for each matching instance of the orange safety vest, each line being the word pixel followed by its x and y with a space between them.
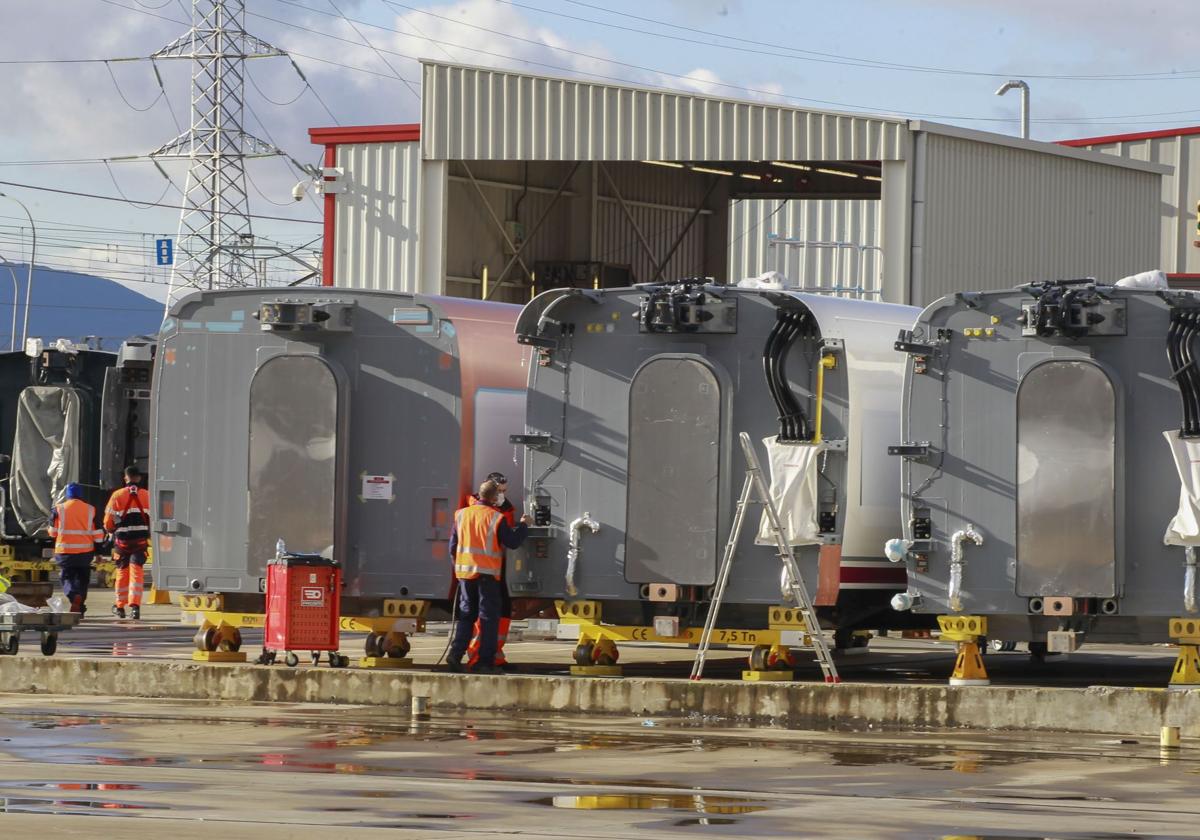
pixel 479 551
pixel 74 528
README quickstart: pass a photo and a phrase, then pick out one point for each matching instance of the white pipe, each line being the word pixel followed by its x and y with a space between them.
pixel 1189 579
pixel 576 526
pixel 954 594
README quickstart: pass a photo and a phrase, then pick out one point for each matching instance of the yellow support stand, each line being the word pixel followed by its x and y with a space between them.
pixel 966 630
pixel 218 656
pixel 384 663
pixel 1187 664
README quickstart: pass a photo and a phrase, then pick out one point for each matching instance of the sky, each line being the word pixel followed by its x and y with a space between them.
pixel 1094 68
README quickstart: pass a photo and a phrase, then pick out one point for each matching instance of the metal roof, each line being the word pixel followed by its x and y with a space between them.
pixel 479 113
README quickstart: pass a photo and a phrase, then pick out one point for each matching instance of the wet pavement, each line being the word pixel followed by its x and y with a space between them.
pixel 187 769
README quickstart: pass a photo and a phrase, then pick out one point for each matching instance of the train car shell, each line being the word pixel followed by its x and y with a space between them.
pixel 61 379
pixel 638 428
pixel 346 423
pixel 1050 449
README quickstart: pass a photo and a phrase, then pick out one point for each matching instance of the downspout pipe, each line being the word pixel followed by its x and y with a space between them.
pixel 576 527
pixel 954 593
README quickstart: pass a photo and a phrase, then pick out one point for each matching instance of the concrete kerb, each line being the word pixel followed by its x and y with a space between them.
pixel 800 705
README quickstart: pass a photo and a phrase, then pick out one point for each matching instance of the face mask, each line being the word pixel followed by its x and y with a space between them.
pixel 500 499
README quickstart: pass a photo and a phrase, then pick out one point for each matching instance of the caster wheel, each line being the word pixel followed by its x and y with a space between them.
pixel 338 661
pixel 371 647
pixel 316 658
pixel 234 642
pixel 264 658
pixel 394 645
pixel 583 653
pixel 13 645
pixel 292 659
pixel 49 643
pixel 758 658
pixel 344 661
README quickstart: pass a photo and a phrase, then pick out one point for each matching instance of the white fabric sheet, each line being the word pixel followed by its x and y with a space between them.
pixel 794 478
pixel 1185 527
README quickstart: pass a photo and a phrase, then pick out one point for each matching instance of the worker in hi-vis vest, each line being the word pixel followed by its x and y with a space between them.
pixel 510 517
pixel 477 545
pixel 127 518
pixel 73 527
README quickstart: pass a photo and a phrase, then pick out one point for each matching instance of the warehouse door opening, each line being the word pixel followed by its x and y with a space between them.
pixel 1066 481
pixel 293 457
pixel 674 457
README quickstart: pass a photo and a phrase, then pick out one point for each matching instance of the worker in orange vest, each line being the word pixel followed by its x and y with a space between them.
pixel 510 516
pixel 127 518
pixel 73 527
pixel 477 544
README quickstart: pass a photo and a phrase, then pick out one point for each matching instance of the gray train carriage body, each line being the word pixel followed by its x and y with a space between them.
pixel 1037 484
pixel 636 400
pixel 346 423
pixel 50 428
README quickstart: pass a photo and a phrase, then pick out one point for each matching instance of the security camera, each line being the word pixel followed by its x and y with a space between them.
pixel 298 190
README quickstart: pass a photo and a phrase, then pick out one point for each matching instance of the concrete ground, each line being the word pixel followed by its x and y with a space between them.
pixel 160 636
pixel 96 767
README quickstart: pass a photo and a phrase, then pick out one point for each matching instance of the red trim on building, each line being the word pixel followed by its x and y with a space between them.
pixel 330 235
pixel 1126 138
pixel 331 138
pixel 398 133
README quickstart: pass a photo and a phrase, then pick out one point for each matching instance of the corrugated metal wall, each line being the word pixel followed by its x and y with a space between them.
pixel 751 221
pixel 1180 192
pixel 378 216
pixel 992 216
pixel 480 114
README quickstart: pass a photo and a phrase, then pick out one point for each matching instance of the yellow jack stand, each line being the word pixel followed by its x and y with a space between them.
pixel 965 630
pixel 384 662
pixel 767 676
pixel 158 597
pixel 596 671
pixel 218 656
pixel 1187 665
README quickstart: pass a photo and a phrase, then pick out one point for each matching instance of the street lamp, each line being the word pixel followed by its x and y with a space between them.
pixel 29 277
pixel 1017 84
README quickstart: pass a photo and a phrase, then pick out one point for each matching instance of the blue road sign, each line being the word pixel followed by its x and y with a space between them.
pixel 164 249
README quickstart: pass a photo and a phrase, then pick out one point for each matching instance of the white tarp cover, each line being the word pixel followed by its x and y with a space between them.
pixel 794 478
pixel 1185 527
pixel 1152 281
pixel 45 453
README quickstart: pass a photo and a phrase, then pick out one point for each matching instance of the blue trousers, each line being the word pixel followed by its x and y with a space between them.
pixel 76 572
pixel 478 598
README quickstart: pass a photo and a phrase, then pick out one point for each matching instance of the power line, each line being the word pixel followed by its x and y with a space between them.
pixel 145 203
pixel 835 58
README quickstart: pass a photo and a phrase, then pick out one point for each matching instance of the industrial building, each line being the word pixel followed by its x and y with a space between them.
pixel 1179 149
pixel 519 182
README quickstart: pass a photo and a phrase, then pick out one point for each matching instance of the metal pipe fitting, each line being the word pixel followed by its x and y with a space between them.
pixel 954 593
pixel 577 525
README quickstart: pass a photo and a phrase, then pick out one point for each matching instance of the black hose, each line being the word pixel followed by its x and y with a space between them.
pixel 1174 333
pixel 1190 374
pixel 1183 375
pixel 769 366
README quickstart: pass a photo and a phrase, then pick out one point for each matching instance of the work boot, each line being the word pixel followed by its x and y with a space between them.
pixel 119 612
pixel 135 611
pixel 454 666
pixel 486 670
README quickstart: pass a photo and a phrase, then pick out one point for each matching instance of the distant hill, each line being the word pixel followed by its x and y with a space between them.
pixel 70 305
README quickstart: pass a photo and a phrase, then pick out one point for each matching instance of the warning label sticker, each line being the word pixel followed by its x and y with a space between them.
pixel 312 596
pixel 377 487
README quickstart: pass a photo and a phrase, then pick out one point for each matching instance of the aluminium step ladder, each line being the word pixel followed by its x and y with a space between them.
pixel 755 487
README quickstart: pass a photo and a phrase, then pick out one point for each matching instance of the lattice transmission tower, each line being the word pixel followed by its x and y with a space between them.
pixel 216 241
